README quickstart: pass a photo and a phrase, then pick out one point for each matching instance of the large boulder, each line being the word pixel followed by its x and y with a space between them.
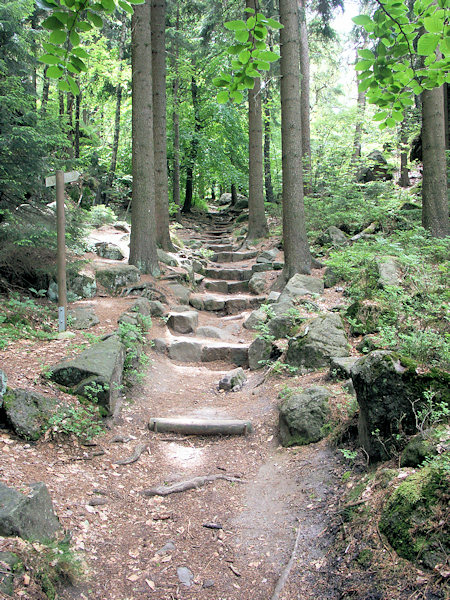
pixel 334 236
pixel 224 199
pixel 10 566
pixel 181 293
pixel 28 413
pixel 82 285
pixel 183 322
pixel 377 169
pixel 389 271
pixel 390 393
pixel 109 251
pixel 82 317
pixel 30 516
pixel 364 316
pixel 116 276
pixel 241 203
pixel 260 351
pixel 96 373
pixel 303 417
pixel 301 285
pixel 322 338
pixel 257 283
pixel 255 320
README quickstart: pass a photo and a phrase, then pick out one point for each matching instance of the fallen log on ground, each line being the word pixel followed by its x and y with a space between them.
pixel 189 484
pixel 189 426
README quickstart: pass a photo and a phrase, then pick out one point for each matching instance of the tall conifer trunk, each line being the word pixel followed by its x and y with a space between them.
pixel 143 228
pixel 267 133
pixel 176 120
pixel 297 257
pixel 257 224
pixel 305 98
pixel 158 25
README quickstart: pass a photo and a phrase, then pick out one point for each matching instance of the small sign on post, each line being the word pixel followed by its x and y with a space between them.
pixel 58 180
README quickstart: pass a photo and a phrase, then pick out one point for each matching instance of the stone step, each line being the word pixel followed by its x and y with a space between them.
pixel 202 350
pixel 221 286
pixel 231 305
pixel 233 256
pixel 220 247
pixel 229 274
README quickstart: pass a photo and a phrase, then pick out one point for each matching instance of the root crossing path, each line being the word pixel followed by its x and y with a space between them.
pixel 230 535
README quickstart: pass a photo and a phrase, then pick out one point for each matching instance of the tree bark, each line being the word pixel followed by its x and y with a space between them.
pixel 194 149
pixel 158 25
pixel 45 91
pixel 176 119
pixel 305 98
pixel 297 257
pixel 76 141
pixel 403 142
pixel 257 224
pixel 434 184
pixel 233 194
pixel 115 146
pixel 267 133
pixel 143 229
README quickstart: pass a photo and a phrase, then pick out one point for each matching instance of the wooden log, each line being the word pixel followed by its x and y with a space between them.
pixel 190 426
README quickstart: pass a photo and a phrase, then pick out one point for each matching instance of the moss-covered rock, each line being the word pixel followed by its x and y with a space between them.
pixel 28 413
pixel 364 316
pixel 9 565
pixel 116 276
pixel 416 451
pixel 413 517
pixel 303 417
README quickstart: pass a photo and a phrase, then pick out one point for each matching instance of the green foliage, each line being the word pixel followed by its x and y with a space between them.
pixel 82 421
pixel 22 317
pixel 101 215
pixel 411 54
pixel 250 56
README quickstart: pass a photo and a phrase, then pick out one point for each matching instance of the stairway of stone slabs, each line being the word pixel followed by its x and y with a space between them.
pixel 224 295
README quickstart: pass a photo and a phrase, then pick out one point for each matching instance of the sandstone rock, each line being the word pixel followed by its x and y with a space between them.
pixel 30 516
pixel 259 353
pixel 330 278
pixel 82 318
pixel 114 277
pixel 303 417
pixel 10 565
pixel 82 285
pixel 255 319
pixel 99 368
pixel 28 413
pixel 257 283
pixel 340 367
pixel 389 271
pixel 185 351
pixel 268 256
pixel 180 292
pixel 109 251
pixel 323 338
pixel 234 380
pixel 332 235
pixel 301 285
pixel 184 322
pixel 211 332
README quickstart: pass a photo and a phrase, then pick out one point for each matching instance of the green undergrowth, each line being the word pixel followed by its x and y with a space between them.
pixel 412 317
pixel 23 317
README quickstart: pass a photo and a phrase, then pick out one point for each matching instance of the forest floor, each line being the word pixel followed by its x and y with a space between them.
pixel 226 540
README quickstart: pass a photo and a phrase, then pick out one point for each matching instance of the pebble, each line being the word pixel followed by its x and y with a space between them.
pixel 185 576
pixel 208 583
pixel 169 547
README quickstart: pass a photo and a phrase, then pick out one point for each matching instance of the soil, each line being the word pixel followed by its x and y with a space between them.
pixel 235 537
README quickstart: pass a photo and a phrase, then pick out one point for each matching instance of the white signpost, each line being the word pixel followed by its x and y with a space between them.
pixel 58 180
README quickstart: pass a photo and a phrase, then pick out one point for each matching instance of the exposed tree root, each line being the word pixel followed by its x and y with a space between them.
pixel 285 574
pixel 189 484
pixel 140 448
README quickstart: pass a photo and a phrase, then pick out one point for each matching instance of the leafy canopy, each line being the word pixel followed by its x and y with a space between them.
pixel 68 21
pixel 249 55
pixel 411 53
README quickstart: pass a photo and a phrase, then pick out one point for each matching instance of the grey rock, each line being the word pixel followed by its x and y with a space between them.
pixel 156 308
pixel 273 297
pixel 389 271
pixel 279 266
pixel 185 351
pixel 262 267
pixel 99 367
pixel 332 235
pixel 29 516
pixel 142 306
pixel 330 278
pixel 180 292
pixel 109 251
pixel 167 258
pixel 241 204
pixel 303 416
pixel 179 308
pixel 208 583
pixel 369 343
pixel 52 291
pixel 268 256
pixel 9 567
pixel 82 318
pixel 210 303
pixel 323 337
pixel 218 287
pixel 301 285
pixel 234 353
pixel 28 413
pixel 122 226
pixel 364 316
pixel 224 199
pixel 160 345
pixel 185 576
pixel 82 285
pixel 3 383
pixel 233 380
pixel 255 320
pixel 211 332
pixel 281 326
pixel 168 547
pixel 116 276
pixel 386 390
pixel 341 366
pixel 184 322
pixel 259 352
pixel 257 283
pixel 65 335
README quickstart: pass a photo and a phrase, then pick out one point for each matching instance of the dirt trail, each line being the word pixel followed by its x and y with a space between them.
pixel 135 546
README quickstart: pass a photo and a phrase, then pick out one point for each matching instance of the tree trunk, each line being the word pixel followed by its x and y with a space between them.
pixel 115 146
pixel 194 149
pixel 77 126
pixel 360 110
pixel 304 98
pixel 403 142
pixel 176 119
pixel 45 91
pixel 267 132
pixel 233 194
pixel 61 105
pixel 158 23
pixel 143 229
pixel 257 224
pixel 297 257
pixel 434 184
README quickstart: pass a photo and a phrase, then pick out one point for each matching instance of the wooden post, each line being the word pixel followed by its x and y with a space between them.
pixel 61 251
